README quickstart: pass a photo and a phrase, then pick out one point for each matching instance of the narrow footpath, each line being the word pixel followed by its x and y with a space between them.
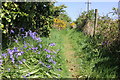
pixel 71 61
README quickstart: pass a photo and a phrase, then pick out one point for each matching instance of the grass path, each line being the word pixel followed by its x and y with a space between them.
pixel 71 63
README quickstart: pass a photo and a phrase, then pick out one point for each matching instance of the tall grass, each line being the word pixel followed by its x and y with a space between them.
pixel 89 55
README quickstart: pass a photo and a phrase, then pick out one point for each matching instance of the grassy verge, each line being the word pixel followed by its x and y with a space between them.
pixel 89 56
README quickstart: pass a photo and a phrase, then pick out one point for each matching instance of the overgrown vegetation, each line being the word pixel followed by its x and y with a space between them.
pixel 33 37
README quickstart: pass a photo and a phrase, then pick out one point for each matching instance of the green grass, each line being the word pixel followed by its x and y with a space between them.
pixel 93 61
pixel 89 56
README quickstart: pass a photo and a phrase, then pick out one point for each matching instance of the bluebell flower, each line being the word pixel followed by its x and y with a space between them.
pixel 48 66
pixel 24 76
pixel 10 51
pixel 20 62
pixel 42 63
pixel 34 33
pixel 16 49
pixel 59 69
pixel 23 60
pixel 16 40
pixel 1 61
pixel 22 34
pixel 4 55
pixel 39 52
pixel 24 46
pixel 48 56
pixel 12 31
pixel 13 60
pixel 11 56
pixel 53 62
pixel 54 52
pixel 38 39
pixel 52 44
pixel 40 45
pixel 47 50
pixel 50 60
pixel 34 48
pixel 21 52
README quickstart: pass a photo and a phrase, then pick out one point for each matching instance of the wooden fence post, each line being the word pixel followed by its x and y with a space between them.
pixel 96 20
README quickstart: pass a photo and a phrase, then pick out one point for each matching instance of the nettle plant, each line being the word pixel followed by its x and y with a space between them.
pixel 30 57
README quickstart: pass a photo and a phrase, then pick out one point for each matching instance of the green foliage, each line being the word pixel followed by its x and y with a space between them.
pixel 35 16
pixel 64 17
pixel 90 57
pixel 82 19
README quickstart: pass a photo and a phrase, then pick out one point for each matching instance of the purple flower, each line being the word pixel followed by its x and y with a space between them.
pixel 52 44
pixel 48 56
pixel 1 61
pixel 39 52
pixel 48 66
pixel 22 34
pixel 13 60
pixel 20 62
pixel 34 48
pixel 59 69
pixel 38 39
pixel 50 60
pixel 4 55
pixel 10 51
pixel 40 45
pixel 53 62
pixel 42 63
pixel 54 52
pixel 25 46
pixel 23 60
pixel 12 31
pixel 11 56
pixel 24 76
pixel 47 50
pixel 34 33
pixel 15 49
pixel 16 40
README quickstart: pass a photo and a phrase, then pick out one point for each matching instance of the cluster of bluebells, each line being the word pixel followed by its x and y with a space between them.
pixel 33 35
pixel 29 33
pixel 13 54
